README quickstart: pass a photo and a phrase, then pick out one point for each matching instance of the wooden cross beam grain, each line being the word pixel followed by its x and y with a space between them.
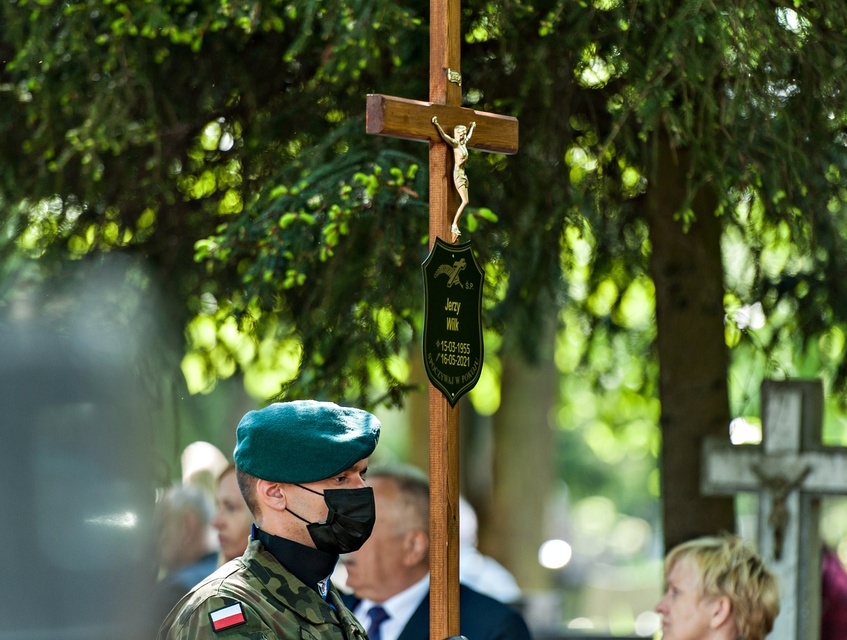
pixel 411 119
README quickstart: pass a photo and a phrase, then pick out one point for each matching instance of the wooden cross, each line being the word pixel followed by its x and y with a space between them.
pixel 790 471
pixel 411 119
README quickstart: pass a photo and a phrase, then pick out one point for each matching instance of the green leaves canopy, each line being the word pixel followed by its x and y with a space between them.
pixel 225 143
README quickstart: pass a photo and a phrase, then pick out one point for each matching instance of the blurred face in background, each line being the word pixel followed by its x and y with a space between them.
pixel 232 519
pixel 172 536
pixel 396 555
pixel 687 614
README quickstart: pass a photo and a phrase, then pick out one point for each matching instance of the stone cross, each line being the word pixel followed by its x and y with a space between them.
pixel 413 120
pixel 790 471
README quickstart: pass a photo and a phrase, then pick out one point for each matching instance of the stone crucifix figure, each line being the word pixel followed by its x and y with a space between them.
pixel 780 486
pixel 462 135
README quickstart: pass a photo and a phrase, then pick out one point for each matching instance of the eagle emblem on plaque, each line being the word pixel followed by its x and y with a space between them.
pixel 452 335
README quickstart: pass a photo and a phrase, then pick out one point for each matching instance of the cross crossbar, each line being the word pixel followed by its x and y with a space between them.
pixel 412 120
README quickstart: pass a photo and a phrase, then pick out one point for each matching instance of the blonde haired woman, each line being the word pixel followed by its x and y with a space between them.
pixel 718 588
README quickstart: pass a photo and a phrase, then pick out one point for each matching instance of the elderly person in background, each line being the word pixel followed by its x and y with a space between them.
pixel 185 552
pixel 389 575
pixel 718 588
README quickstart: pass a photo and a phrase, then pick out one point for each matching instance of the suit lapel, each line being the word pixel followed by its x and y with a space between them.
pixel 417 628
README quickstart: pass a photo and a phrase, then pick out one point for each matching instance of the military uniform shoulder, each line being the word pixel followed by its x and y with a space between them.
pixel 214 607
pixel 216 617
pixel 255 598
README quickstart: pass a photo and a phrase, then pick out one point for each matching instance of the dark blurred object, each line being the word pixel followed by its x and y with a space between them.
pixel 833 598
pixel 76 491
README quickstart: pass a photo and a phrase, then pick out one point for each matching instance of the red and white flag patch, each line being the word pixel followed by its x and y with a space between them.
pixel 228 617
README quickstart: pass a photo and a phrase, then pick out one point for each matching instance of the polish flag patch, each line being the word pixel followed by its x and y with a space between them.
pixel 228 617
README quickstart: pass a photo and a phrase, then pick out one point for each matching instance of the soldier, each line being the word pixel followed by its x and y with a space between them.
pixel 300 467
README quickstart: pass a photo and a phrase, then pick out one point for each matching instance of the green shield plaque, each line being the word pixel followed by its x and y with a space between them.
pixel 452 335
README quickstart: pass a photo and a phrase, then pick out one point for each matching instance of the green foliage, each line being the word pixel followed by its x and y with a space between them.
pixel 213 138
pixel 225 142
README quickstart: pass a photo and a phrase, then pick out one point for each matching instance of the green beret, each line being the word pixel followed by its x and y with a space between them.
pixel 303 441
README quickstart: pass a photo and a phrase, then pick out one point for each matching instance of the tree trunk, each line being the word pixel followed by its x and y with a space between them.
pixel 687 271
pixel 513 529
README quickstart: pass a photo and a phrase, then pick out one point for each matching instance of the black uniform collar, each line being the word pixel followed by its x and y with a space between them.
pixel 311 566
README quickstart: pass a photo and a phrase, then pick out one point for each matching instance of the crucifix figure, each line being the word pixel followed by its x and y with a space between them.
pixel 460 157
pixel 412 120
pixel 780 486
pixel 790 471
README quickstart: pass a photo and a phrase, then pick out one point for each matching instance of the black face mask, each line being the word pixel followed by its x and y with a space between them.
pixel 348 524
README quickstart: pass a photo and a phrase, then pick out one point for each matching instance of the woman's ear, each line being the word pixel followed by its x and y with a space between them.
pixel 271 494
pixel 721 612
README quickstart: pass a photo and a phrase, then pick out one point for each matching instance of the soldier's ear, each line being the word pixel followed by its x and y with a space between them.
pixel 271 494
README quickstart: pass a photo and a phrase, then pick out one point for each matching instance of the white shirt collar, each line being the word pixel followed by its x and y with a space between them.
pixel 400 607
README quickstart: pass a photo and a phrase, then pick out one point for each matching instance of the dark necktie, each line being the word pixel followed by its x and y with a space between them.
pixel 377 616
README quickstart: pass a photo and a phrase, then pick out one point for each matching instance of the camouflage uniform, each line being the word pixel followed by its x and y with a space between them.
pixel 275 605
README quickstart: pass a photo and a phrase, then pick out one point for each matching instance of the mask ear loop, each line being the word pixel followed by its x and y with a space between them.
pixel 299 517
pixel 309 490
pixel 317 493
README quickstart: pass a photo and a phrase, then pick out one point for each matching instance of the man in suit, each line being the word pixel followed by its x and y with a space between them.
pixel 389 575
